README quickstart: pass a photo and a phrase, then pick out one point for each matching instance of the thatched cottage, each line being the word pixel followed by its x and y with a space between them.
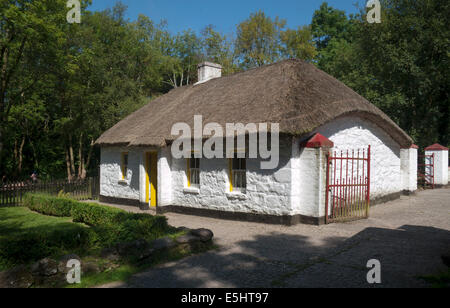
pixel 317 115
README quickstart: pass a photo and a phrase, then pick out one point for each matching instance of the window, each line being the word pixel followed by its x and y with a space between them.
pixel 238 174
pixel 124 165
pixel 193 174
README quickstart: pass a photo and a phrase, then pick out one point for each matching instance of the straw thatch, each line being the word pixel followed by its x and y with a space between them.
pixel 293 93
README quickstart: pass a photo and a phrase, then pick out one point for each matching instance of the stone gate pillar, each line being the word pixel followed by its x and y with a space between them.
pixel 440 163
pixel 409 159
pixel 314 174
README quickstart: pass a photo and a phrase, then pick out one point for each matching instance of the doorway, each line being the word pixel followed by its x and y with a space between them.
pixel 151 178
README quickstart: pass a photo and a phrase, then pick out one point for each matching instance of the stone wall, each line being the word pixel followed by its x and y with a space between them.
pixel 111 183
pixel 268 191
pixel 296 187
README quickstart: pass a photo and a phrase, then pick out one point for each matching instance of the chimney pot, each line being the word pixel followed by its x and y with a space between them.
pixel 208 71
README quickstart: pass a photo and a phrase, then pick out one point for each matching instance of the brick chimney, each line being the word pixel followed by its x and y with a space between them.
pixel 208 71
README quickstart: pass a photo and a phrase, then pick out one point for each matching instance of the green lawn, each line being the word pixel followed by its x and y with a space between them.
pixel 19 222
pixel 26 237
pixel 16 221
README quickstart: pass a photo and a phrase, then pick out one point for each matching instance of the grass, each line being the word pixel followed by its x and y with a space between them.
pixel 30 236
pixel 438 281
pixel 124 272
pixel 16 221
pixel 19 222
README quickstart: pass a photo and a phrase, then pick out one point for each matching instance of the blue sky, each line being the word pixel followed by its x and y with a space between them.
pixel 224 14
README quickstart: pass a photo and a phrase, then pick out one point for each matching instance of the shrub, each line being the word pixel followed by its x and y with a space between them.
pixel 47 205
pixel 97 215
pixel 34 246
pixel 110 224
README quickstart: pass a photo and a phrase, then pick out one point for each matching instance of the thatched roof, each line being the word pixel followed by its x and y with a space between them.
pixel 293 93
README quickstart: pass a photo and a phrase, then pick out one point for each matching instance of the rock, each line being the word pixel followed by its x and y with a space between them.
pixel 187 239
pixel 90 268
pixel 183 229
pixel 110 254
pixel 45 267
pixel 54 281
pixel 146 254
pixel 62 265
pixel 18 277
pixel 205 235
pixel 132 248
pixel 163 243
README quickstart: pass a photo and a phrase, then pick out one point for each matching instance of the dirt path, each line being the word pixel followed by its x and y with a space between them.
pixel 407 236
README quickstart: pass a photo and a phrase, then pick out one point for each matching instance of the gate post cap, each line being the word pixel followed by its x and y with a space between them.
pixel 436 147
pixel 414 146
pixel 318 141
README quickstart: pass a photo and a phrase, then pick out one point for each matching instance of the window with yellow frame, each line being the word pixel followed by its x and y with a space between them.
pixel 124 165
pixel 193 171
pixel 238 174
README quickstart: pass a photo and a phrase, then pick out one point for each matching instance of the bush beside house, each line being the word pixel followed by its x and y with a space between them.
pixel 107 235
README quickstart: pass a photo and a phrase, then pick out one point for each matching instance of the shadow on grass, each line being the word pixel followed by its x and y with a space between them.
pixel 26 237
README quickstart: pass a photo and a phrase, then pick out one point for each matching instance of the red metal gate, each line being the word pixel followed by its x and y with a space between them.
pixel 348 186
pixel 425 175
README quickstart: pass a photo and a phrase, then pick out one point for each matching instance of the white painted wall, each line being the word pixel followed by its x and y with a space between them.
pixel 309 181
pixel 440 166
pixel 297 186
pixel 349 133
pixel 165 190
pixel 268 191
pixel 111 184
pixel 409 159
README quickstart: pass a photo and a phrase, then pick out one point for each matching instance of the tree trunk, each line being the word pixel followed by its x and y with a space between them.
pixel 88 160
pixel 1 140
pixel 69 173
pixel 80 157
pixel 22 144
pixel 71 158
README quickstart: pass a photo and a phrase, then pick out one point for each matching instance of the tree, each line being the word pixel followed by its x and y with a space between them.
pixel 329 23
pixel 408 57
pixel 401 65
pixel 218 48
pixel 298 44
pixel 29 32
pixel 258 40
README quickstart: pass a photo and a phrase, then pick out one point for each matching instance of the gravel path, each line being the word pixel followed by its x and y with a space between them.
pixel 407 236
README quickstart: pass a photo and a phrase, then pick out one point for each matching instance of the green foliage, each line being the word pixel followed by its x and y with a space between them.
pixel 298 44
pixel 401 65
pixel 26 236
pixel 218 48
pixel 62 85
pixel 52 236
pixel 258 40
pixel 97 215
pixel 44 204
pixel 329 23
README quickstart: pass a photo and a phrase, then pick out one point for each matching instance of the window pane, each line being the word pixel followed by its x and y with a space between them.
pixel 243 164
pixel 235 164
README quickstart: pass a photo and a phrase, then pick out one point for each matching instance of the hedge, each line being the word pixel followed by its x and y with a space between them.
pixel 122 225
pixel 44 204
pixel 106 227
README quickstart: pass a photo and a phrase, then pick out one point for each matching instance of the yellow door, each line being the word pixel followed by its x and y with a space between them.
pixel 151 174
